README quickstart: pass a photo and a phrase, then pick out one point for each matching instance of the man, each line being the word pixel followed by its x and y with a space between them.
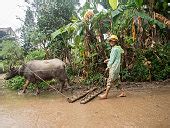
pixel 113 65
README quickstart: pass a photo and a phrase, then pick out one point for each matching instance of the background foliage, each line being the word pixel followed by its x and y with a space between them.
pixel 58 29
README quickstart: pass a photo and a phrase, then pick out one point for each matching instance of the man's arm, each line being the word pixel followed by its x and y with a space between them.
pixel 112 58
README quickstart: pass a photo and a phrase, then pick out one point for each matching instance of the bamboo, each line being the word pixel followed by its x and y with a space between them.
pixel 90 97
pixel 71 100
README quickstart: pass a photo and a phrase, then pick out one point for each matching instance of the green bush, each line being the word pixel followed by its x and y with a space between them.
pixel 125 75
pixel 95 79
pixel 1 67
pixel 36 55
pixel 159 70
pixel 17 83
pixel 139 72
pixel 41 86
pixel 11 53
pixel 160 61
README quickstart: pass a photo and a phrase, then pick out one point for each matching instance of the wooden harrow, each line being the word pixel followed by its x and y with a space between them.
pixel 86 96
pixel 91 95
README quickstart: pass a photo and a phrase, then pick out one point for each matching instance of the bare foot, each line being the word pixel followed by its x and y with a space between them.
pixel 21 92
pixel 103 96
pixel 122 95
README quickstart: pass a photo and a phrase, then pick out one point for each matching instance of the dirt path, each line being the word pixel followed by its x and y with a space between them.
pixel 141 108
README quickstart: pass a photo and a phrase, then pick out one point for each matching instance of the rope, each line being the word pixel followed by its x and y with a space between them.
pixel 48 84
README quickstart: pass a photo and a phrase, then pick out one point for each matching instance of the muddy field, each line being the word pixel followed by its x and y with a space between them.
pixel 143 107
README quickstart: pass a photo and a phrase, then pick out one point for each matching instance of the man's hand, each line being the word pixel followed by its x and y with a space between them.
pixel 107 69
pixel 106 61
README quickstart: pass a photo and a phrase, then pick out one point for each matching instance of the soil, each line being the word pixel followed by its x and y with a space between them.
pixel 146 105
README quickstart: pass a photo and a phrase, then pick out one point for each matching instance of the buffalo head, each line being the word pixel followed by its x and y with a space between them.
pixel 11 73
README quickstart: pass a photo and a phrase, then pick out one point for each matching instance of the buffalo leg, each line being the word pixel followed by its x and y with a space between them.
pixel 66 84
pixel 37 90
pixel 62 85
pixel 25 86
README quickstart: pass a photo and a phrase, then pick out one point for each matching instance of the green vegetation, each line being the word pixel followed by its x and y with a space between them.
pixel 36 55
pixel 17 83
pixel 1 67
pixel 11 53
pixel 57 29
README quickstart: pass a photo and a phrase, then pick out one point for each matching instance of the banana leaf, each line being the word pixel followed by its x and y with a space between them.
pixel 150 20
pixel 70 28
pixel 138 3
pixel 113 4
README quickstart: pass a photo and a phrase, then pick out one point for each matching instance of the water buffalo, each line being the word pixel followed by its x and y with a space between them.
pixel 36 69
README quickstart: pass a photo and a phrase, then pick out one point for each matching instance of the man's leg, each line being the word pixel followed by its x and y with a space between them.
pixel 104 96
pixel 108 86
pixel 119 86
pixel 122 94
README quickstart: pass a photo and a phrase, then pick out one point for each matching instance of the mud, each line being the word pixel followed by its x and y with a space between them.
pixel 148 108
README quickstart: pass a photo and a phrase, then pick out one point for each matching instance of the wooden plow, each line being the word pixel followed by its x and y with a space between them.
pixel 86 96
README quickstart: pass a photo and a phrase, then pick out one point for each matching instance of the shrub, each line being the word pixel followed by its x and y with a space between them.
pixel 11 53
pixel 36 55
pixel 159 57
pixel 17 83
pixel 159 70
pixel 1 67
pixel 95 79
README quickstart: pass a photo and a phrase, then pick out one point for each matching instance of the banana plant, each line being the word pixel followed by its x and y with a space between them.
pixel 86 48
